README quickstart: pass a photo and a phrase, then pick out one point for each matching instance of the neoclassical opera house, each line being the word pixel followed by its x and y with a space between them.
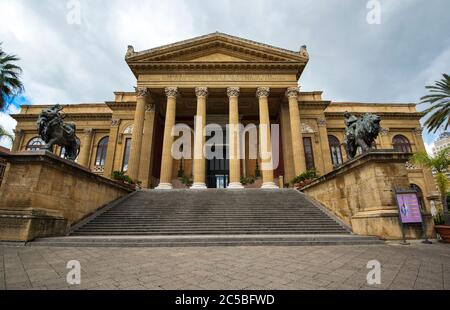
pixel 224 80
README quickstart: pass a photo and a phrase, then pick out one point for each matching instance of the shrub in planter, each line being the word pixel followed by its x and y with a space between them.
pixel 187 181
pixel 304 179
pixel 247 180
pixel 442 229
pixel 120 176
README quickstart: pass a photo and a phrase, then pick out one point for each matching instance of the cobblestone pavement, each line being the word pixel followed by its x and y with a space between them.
pixel 417 266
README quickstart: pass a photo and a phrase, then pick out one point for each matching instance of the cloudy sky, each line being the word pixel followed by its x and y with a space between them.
pixel 351 60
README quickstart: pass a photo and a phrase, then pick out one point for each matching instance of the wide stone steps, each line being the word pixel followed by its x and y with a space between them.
pixel 210 217
pixel 209 240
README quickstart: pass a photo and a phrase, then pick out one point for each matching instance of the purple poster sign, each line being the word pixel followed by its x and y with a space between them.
pixel 409 208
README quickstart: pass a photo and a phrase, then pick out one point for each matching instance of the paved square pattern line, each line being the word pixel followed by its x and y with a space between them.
pixel 417 266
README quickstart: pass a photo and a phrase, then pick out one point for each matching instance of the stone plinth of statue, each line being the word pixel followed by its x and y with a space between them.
pixel 44 195
pixel 361 193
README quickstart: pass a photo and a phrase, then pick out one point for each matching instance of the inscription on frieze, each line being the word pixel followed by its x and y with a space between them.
pixel 221 77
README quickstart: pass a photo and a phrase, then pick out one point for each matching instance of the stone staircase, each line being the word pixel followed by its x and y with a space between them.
pixel 210 217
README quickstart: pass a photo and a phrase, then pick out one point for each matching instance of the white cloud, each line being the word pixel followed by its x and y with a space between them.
pixel 429 147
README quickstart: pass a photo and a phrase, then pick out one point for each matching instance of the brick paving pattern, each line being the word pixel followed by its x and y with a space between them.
pixel 417 266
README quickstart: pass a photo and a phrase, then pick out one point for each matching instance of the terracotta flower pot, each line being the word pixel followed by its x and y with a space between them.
pixel 444 232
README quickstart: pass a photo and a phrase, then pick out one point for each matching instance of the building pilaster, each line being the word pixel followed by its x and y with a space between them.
pixel 88 133
pixel 112 146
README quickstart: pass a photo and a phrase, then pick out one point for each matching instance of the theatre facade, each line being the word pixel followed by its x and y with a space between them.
pixel 223 80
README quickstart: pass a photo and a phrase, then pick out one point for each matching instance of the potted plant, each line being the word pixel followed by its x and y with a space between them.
pixel 121 177
pixel 439 164
pixel 247 180
pixel 304 179
pixel 441 229
pixel 186 181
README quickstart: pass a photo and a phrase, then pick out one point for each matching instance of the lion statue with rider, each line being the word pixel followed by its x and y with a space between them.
pixel 53 130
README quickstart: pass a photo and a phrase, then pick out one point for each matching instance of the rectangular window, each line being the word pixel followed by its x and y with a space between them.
pixel 309 154
pixel 126 155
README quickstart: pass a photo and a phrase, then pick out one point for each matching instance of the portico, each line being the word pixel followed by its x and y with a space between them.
pixel 235 157
pixel 240 81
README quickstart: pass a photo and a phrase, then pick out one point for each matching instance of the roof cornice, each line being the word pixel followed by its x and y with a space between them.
pixel 132 55
pixel 69 116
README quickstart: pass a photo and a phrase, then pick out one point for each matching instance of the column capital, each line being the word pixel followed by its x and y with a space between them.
pixel 142 92
pixel 172 92
pixel 322 122
pixel 88 131
pixel 115 122
pixel 418 131
pixel 201 92
pixel 384 131
pixel 262 92
pixel 292 92
pixel 233 91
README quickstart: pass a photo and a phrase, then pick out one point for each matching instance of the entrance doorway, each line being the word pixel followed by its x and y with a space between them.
pixel 217 169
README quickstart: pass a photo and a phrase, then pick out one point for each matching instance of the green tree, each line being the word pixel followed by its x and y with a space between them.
pixel 439 164
pixel 10 83
pixel 439 98
pixel 5 133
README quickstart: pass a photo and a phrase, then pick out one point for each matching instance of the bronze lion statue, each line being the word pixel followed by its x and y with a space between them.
pixel 53 130
pixel 360 132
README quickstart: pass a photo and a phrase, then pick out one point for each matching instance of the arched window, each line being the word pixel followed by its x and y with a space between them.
pixel 35 144
pixel 401 144
pixel 419 196
pixel 102 147
pixel 336 153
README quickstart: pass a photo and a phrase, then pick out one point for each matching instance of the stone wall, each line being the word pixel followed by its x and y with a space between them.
pixel 361 193
pixel 43 195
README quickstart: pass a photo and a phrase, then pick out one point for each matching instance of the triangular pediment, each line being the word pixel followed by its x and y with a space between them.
pixel 217 56
pixel 217 47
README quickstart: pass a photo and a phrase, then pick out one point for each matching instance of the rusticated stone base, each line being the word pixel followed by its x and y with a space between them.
pixel 361 193
pixel 43 195
pixel 28 224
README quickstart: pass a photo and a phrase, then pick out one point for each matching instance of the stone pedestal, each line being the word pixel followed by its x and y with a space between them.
pixel 361 193
pixel 43 195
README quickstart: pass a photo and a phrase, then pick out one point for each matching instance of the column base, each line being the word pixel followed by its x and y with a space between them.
pixel 164 186
pixel 269 185
pixel 235 185
pixel 199 186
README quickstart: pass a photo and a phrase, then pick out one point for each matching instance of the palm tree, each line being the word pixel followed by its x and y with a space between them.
pixel 5 133
pixel 439 98
pixel 439 164
pixel 10 84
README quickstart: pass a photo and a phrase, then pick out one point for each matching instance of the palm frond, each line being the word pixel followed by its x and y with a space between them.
pixel 5 133
pixel 10 83
pixel 439 97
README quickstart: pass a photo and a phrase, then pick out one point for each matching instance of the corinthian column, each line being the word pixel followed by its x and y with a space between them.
pixel 136 138
pixel 235 167
pixel 262 93
pixel 296 131
pixel 86 147
pixel 165 181
pixel 199 139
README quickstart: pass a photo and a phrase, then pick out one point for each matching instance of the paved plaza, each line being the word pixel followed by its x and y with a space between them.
pixel 417 266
